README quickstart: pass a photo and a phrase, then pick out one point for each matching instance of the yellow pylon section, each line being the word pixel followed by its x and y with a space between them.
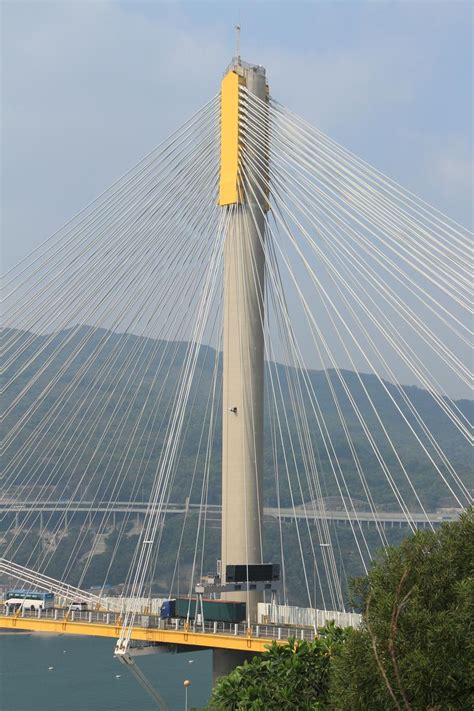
pixel 228 186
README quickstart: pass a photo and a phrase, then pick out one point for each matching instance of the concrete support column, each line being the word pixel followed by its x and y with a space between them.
pixel 224 661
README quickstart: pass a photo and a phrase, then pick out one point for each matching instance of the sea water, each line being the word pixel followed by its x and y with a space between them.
pixel 40 672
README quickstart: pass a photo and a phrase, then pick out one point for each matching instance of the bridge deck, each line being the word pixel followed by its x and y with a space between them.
pixel 308 511
pixel 151 629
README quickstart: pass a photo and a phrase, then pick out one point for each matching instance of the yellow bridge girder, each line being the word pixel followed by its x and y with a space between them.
pixel 206 640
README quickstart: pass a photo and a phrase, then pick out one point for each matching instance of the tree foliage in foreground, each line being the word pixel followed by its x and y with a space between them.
pixel 415 649
pixel 413 652
pixel 292 676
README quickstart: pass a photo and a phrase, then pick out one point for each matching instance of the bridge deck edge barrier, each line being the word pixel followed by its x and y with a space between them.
pixel 144 634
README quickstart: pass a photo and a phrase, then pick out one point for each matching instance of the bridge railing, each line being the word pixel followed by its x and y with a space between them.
pixel 290 615
pixel 261 631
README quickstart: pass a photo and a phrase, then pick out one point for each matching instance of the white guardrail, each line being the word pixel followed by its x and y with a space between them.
pixel 305 616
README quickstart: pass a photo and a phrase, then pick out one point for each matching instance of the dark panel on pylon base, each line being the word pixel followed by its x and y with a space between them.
pixel 252 573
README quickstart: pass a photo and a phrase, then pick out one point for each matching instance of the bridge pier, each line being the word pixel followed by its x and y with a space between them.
pixel 224 661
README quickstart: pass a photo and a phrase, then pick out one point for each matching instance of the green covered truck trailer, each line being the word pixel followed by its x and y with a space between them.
pixel 214 610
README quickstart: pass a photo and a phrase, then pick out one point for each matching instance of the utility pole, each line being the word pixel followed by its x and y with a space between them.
pixel 243 356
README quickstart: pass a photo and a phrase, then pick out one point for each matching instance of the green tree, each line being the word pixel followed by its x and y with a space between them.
pixel 292 676
pixel 415 648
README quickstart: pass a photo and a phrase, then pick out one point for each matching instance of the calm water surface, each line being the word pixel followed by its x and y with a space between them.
pixel 84 677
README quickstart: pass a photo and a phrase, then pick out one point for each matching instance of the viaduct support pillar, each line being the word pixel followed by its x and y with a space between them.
pixel 224 661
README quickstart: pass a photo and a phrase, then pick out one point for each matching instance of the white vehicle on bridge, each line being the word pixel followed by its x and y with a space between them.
pixel 29 600
pixel 78 606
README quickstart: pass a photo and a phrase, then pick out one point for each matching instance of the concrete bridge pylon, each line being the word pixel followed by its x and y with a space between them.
pixel 243 350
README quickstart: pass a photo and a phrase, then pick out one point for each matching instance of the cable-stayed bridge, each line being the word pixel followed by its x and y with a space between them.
pixel 231 322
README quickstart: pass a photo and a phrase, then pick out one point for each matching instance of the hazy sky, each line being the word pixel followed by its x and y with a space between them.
pixel 90 87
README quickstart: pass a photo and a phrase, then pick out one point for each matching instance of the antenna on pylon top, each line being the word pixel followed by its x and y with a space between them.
pixel 237 43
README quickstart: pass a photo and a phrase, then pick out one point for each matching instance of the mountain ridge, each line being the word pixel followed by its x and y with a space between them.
pixel 365 388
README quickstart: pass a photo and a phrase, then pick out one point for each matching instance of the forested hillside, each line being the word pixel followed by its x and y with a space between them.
pixel 114 381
